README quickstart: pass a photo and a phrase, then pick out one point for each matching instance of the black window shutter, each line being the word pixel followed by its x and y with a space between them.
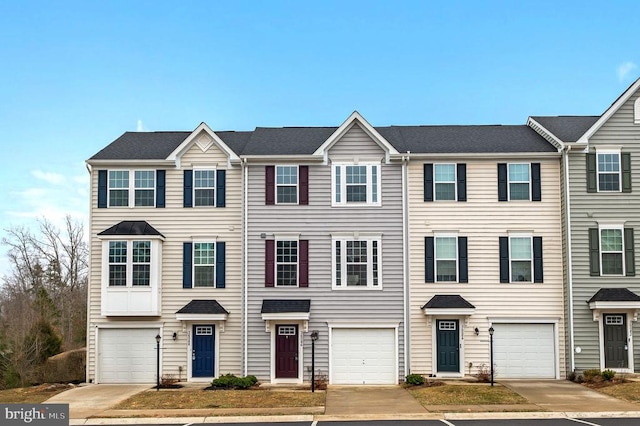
pixel 502 183
pixel 592 178
pixel 102 189
pixel 220 265
pixel 429 260
pixel 504 259
pixel 221 188
pixel 594 252
pixel 187 253
pixel 303 188
pixel 536 185
pixel 538 275
pixel 188 188
pixel 462 182
pixel 160 188
pixel 626 171
pixel 629 253
pixel 463 263
pixel 270 185
pixel 428 182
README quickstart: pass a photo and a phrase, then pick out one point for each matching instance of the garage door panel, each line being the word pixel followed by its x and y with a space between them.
pixel 363 356
pixel 525 350
pixel 127 355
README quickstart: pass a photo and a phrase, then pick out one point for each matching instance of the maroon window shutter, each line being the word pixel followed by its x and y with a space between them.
pixel 304 185
pixel 270 185
pixel 270 256
pixel 303 263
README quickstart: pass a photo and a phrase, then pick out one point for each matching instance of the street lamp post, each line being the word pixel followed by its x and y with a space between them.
pixel 314 337
pixel 158 337
pixel 491 346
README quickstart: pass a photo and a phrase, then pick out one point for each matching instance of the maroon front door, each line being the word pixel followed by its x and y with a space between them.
pixel 286 351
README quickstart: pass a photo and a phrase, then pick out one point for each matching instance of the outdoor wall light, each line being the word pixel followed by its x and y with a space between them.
pixel 175 336
pixel 476 330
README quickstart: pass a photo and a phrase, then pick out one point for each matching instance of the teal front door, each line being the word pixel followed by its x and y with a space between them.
pixel 448 346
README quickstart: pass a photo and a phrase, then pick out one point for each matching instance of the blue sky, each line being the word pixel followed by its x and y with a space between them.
pixel 76 74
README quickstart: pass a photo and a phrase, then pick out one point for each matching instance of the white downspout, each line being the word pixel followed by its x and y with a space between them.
pixel 567 207
pixel 245 286
pixel 405 269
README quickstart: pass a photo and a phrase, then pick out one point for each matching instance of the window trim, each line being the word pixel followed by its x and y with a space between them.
pixel 622 251
pixel 276 184
pixel 509 182
pixel 193 261
pixel 371 267
pixel 454 181
pixel 435 258
pixel 131 189
pixel 275 261
pixel 342 166
pixel 618 153
pixel 155 262
pixel 531 260
pixel 214 187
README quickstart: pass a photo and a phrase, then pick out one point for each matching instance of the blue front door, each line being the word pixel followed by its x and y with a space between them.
pixel 203 352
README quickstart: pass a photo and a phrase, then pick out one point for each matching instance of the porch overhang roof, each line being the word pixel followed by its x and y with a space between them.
pixel 202 310
pixel 614 298
pixel 448 304
pixel 282 309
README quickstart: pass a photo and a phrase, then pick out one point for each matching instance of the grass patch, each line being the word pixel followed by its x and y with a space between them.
pixel 628 391
pixel 31 395
pixel 466 395
pixel 194 399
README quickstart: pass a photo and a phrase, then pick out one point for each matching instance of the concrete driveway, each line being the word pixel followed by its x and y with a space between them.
pixel 355 400
pixel 90 400
pixel 566 396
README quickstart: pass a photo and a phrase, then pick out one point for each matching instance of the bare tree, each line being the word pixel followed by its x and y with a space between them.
pixel 44 296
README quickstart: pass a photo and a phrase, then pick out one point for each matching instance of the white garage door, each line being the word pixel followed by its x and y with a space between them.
pixel 363 356
pixel 127 355
pixel 524 351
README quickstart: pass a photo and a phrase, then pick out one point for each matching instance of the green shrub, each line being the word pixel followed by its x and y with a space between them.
pixel 230 381
pixel 572 376
pixel 414 379
pixel 608 375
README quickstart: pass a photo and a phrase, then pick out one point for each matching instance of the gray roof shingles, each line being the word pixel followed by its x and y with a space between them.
pixel 448 301
pixel 614 295
pixel 209 307
pixel 567 128
pixel 278 306
pixel 305 141
pixel 131 227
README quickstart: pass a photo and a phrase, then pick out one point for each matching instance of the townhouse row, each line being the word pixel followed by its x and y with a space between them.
pixel 397 248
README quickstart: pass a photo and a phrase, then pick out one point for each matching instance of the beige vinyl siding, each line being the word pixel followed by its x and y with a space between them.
pixel 316 222
pixel 482 219
pixel 179 225
pixel 589 208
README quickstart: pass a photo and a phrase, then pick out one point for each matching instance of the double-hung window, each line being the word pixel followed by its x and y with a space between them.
pixel 608 171
pixel 286 263
pixel 204 263
pixel 129 263
pixel 204 187
pixel 519 181
pixel 356 184
pixel 445 181
pixel 139 191
pixel 446 253
pixel 356 262
pixel 286 184
pixel 611 248
pixel 519 186
pixel 521 259
pixel 446 258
